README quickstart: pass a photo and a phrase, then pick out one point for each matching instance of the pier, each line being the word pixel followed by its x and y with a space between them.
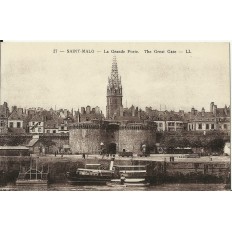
pixel 161 169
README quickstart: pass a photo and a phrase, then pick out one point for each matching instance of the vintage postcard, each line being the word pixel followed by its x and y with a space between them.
pixel 115 116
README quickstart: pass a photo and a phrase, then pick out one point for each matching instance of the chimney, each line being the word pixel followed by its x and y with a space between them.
pixel 215 110
pixel 20 111
pixel 211 107
pixel 203 112
pixel 82 110
pixel 193 111
pixel 97 110
pixel 13 108
pixel 133 111
pixel 88 109
pixel 139 113
pixel 225 110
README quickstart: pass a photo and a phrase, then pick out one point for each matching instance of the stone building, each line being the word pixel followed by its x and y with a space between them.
pixel 36 124
pixel 201 120
pixel 88 114
pixel 122 130
pixel 216 119
pixel 166 120
pixel 16 120
pixel 117 136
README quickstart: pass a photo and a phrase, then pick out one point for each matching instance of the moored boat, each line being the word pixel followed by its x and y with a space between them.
pixel 133 175
pixel 92 174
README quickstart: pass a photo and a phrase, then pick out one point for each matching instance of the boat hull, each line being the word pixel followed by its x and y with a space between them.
pixel 136 182
pixel 88 180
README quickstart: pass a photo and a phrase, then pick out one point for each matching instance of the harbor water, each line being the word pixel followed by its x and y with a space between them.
pixel 162 187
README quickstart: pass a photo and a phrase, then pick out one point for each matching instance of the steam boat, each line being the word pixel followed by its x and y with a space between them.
pixel 92 174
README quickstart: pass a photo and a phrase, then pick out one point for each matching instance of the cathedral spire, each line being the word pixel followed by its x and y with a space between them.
pixel 114 92
pixel 114 70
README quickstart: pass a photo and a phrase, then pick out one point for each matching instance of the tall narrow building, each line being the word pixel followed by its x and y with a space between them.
pixel 114 106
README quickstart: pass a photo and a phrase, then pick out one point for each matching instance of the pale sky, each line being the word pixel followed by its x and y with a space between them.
pixel 34 76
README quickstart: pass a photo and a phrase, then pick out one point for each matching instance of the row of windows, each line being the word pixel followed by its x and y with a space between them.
pixel 39 129
pixel 224 126
pixel 206 119
pixel 33 123
pixel 170 124
pixel 47 131
pixel 173 124
pixel 18 124
pixel 52 131
pixel 206 126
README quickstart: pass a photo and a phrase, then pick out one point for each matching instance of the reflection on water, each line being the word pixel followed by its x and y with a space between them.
pixel 163 187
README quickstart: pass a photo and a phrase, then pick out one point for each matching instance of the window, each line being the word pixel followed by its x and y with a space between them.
pixel 199 126
pixel 39 123
pixel 48 131
pixel 33 123
pixel 1 123
pixel 62 127
pixel 11 124
pixel 54 131
pixel 39 129
pixel 18 124
pixel 225 126
pixel 33 130
pixel 212 126
pixel 207 126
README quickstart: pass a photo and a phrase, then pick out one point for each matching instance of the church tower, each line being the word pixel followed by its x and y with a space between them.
pixel 114 93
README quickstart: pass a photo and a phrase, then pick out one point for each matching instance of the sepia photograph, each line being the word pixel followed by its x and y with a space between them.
pixel 115 116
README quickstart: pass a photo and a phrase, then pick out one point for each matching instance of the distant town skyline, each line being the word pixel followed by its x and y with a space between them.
pixel 34 75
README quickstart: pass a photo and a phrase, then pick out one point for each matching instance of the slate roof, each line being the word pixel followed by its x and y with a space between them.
pixel 51 124
pixel 15 116
pixel 223 112
pixel 207 116
pixel 37 118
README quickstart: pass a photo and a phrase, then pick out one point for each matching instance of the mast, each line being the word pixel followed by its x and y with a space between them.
pixel 36 168
pixel 30 167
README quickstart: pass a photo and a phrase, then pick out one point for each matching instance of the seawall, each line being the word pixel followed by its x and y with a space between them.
pixel 158 171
